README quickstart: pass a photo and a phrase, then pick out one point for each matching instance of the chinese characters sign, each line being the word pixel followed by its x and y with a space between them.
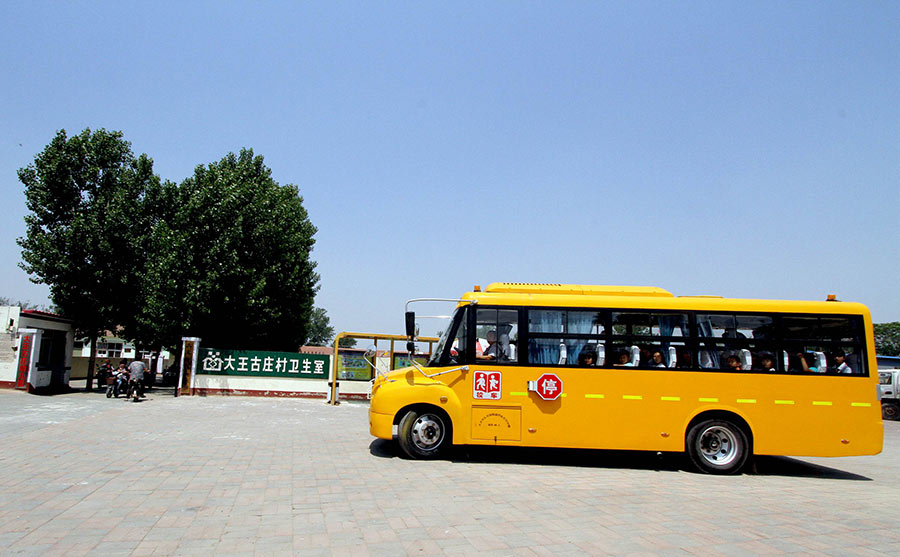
pixel 24 359
pixel 214 361
pixel 486 385
pixel 549 386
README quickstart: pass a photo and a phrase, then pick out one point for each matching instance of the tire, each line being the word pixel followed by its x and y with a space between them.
pixel 109 392
pixel 717 447
pixel 424 434
pixel 890 411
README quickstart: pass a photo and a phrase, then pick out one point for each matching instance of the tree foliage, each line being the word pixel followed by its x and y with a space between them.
pixel 85 233
pixel 85 230
pixel 230 259
pixel 347 342
pixel 23 304
pixel 320 331
pixel 225 255
pixel 887 338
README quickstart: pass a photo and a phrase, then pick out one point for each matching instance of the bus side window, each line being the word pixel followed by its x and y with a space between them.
pixel 708 359
pixel 853 361
pixel 591 355
pixel 635 356
pixel 746 360
pixel 499 328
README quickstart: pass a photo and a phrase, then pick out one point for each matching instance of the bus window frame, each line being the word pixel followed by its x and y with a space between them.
pixel 692 342
pixel 442 359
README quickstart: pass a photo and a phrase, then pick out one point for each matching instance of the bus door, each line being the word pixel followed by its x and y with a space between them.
pixel 496 380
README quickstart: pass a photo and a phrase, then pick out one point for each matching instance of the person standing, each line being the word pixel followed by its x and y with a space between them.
pixel 137 369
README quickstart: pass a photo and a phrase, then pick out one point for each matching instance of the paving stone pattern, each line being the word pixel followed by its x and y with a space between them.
pixel 83 474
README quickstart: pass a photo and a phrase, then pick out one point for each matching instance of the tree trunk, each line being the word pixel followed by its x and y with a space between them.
pixel 89 386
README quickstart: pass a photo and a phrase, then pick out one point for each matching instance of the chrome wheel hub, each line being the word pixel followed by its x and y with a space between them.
pixel 718 445
pixel 427 432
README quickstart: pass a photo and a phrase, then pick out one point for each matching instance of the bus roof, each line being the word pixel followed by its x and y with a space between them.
pixel 645 297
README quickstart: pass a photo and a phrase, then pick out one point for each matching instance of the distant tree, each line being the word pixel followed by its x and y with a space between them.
pixel 85 231
pixel 347 342
pixel 229 260
pixel 887 338
pixel 6 301
pixel 320 331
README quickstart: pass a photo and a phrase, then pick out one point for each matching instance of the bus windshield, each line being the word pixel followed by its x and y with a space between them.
pixel 457 341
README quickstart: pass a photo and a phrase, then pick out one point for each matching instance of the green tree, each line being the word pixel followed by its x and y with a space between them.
pixel 23 304
pixel 320 331
pixel 229 260
pixel 347 342
pixel 887 338
pixel 85 231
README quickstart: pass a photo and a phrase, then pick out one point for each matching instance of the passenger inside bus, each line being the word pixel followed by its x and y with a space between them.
pixel 840 362
pixel 805 359
pixel 624 359
pixel 685 361
pixel 733 363
pixel 658 360
pixel 587 357
pixel 493 351
pixel 768 362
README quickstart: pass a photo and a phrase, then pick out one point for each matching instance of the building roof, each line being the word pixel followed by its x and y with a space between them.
pixel 316 350
pixel 49 316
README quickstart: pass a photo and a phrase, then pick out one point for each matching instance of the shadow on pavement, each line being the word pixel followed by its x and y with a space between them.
pixel 792 467
pixel 588 458
pixel 78 386
pixel 635 460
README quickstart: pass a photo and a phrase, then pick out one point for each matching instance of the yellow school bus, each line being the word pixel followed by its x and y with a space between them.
pixel 636 368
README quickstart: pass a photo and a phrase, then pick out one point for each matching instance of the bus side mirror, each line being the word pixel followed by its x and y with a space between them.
pixel 411 324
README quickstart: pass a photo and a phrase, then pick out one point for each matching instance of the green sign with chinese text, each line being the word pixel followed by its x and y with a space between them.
pixel 251 363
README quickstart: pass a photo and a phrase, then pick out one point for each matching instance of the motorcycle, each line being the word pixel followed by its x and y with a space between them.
pixel 135 389
pixel 118 385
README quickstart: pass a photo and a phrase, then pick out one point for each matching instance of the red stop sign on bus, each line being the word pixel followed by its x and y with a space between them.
pixel 549 386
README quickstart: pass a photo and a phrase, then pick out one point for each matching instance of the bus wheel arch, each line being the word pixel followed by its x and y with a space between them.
pixel 718 442
pixel 424 431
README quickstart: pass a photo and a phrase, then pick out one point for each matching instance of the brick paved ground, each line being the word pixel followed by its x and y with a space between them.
pixel 231 475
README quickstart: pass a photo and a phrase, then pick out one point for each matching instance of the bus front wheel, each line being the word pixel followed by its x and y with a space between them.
pixel 423 434
pixel 717 447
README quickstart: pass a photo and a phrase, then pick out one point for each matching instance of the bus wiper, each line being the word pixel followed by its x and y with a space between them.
pixel 422 371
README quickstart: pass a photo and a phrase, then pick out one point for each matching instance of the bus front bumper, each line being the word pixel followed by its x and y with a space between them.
pixel 381 425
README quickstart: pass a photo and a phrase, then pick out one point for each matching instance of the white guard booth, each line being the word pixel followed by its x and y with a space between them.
pixel 35 350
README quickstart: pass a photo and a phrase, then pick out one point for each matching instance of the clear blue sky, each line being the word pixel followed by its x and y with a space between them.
pixel 706 148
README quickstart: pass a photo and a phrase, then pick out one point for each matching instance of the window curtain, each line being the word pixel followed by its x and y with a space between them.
pixel 667 325
pixel 580 322
pixel 544 351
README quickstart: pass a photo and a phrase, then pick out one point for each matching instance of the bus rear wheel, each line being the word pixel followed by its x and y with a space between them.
pixel 717 447
pixel 423 434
